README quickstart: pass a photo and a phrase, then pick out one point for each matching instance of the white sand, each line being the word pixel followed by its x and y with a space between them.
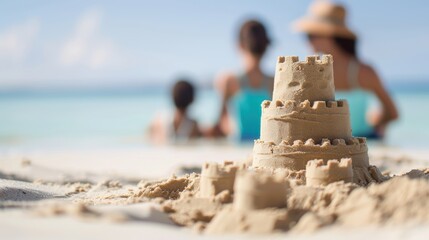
pixel 47 210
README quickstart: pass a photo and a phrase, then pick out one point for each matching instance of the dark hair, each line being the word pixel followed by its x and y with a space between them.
pixel 347 45
pixel 253 37
pixel 183 94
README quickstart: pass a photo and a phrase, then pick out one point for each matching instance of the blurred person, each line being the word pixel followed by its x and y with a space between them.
pixel 178 127
pixel 355 81
pixel 243 93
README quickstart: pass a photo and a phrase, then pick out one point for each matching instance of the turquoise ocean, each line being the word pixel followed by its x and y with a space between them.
pixel 53 118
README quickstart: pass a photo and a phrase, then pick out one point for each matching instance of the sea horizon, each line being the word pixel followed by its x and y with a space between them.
pixel 122 114
pixel 400 86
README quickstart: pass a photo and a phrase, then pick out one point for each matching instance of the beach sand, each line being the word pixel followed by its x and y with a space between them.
pixel 122 192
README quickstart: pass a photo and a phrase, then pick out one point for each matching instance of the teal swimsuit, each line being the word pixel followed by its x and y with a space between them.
pixel 245 107
pixel 359 101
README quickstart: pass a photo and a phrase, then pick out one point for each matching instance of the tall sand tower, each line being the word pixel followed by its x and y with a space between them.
pixel 304 121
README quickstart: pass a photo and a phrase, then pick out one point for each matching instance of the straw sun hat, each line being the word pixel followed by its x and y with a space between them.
pixel 325 19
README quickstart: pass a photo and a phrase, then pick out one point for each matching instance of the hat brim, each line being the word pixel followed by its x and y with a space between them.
pixel 312 26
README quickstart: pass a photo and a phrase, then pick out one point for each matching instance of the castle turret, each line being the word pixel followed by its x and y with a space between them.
pixel 216 178
pixel 317 173
pixel 310 80
pixel 259 190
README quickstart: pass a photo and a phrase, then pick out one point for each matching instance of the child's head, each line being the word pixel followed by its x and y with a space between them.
pixel 183 94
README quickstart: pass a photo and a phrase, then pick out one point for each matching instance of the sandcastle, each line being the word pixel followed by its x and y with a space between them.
pixel 306 146
pixel 304 122
pixel 302 128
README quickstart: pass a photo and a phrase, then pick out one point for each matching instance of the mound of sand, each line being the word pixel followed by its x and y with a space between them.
pixel 402 199
pixel 399 200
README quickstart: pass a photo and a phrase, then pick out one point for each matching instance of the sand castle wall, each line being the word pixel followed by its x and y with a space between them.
pixel 296 154
pixel 256 190
pixel 290 120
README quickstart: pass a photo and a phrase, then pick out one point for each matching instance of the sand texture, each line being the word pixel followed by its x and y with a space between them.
pixel 294 205
pixel 169 203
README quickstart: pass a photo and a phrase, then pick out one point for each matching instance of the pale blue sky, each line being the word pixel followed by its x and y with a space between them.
pixel 88 43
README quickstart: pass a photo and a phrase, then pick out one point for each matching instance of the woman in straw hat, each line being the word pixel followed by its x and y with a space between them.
pixel 355 81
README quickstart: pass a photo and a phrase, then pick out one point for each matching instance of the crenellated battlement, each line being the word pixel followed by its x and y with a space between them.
pixel 292 120
pixel 311 79
pixel 325 142
pixel 319 165
pixel 343 146
pixel 217 170
pixel 296 154
pixel 316 105
pixel 315 59
pixel 319 173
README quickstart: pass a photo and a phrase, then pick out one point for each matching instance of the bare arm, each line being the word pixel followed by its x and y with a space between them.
pixel 157 131
pixel 373 83
pixel 227 85
pixel 196 131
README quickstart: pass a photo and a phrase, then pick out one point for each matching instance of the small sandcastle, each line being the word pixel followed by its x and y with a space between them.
pixel 216 178
pixel 317 173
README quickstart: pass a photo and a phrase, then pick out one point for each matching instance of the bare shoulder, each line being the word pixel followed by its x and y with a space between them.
pixel 157 129
pixel 226 82
pixel 368 77
pixel 226 77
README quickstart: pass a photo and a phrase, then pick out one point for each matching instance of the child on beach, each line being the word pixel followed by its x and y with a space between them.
pixel 180 126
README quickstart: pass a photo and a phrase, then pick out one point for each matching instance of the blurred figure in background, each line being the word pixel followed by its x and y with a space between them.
pixel 179 127
pixel 243 93
pixel 354 80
